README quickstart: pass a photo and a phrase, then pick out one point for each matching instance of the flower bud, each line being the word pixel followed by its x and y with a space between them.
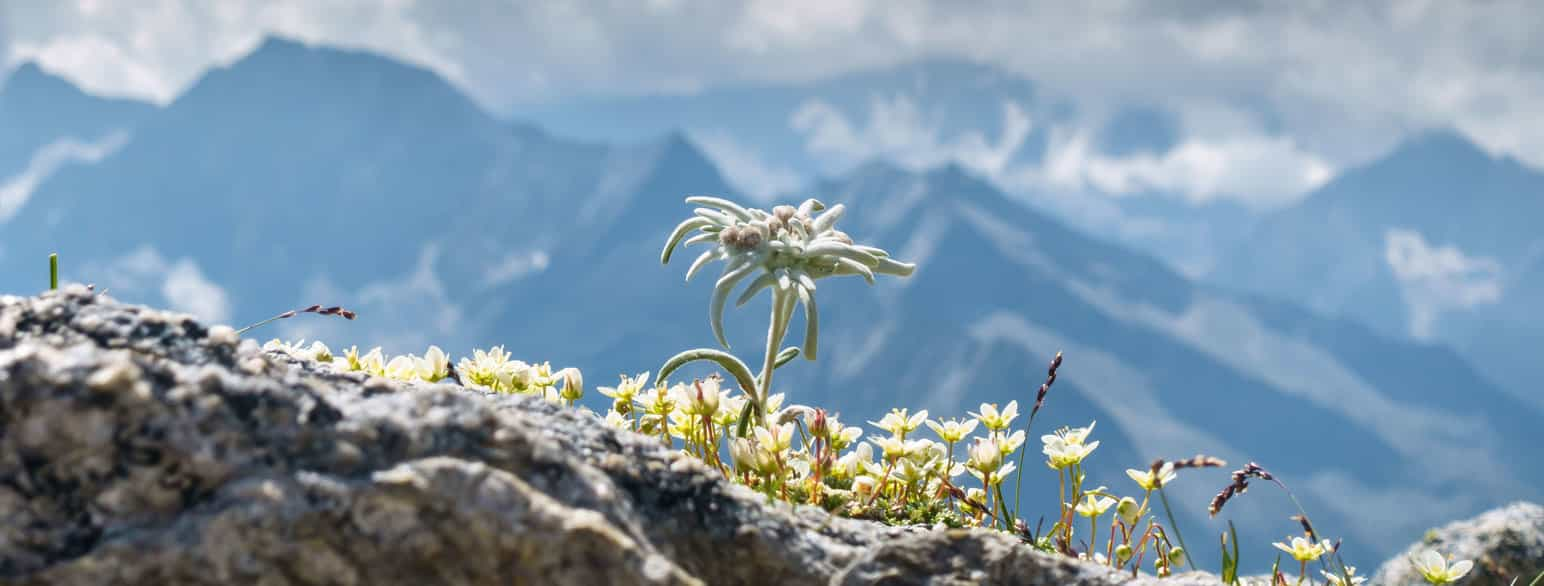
pixel 573 384
pixel 1177 556
pixel 1122 553
pixel 1128 510
pixel 864 485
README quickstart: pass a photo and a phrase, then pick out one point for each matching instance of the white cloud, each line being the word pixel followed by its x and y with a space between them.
pixel 898 129
pixel 15 191
pixel 144 273
pixel 744 167
pixel 1340 83
pixel 404 313
pixel 514 266
pixel 1261 170
pixel 186 289
pixel 1437 279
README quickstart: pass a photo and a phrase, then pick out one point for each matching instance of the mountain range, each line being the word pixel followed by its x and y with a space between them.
pixel 303 175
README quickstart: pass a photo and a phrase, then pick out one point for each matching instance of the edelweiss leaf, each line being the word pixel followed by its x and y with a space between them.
pixel 762 282
pixel 851 267
pixel 680 232
pixel 890 266
pixel 702 261
pixel 722 204
pixel 840 250
pixel 720 295
pixel 811 323
pixel 828 219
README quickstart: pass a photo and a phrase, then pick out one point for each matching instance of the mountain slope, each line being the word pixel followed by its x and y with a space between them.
pixel 1437 241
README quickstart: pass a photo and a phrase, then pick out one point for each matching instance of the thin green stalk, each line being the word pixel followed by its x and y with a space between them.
pixel 1537 579
pixel 1172 525
pixel 53 271
pixel 1018 481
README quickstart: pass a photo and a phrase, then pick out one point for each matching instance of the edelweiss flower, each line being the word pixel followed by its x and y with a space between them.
pixel 790 247
pixel 1436 570
pixel 1304 550
pixel 1150 481
pixel 997 420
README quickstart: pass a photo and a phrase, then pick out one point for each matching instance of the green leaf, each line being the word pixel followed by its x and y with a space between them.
pixel 731 365
pixel 786 356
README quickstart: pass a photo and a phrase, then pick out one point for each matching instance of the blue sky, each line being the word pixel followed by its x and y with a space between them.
pixel 1273 99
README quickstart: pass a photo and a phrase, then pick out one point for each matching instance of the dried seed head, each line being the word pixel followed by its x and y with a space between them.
pixel 730 236
pixel 749 239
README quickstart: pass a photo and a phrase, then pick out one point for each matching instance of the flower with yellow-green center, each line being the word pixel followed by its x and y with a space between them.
pixel 1149 480
pixel 1338 580
pixel 625 392
pixel 899 423
pixel 403 368
pixel 616 420
pixel 994 419
pixel 573 384
pixel 1008 443
pixel 777 439
pixel 489 370
pixel 952 430
pixel 1436 570
pixel 843 436
pixel 1071 435
pixel 1093 506
pixel 433 366
pixel 1060 453
pixel 1304 550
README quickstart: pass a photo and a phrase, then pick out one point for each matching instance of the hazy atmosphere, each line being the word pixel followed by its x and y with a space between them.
pixel 1299 233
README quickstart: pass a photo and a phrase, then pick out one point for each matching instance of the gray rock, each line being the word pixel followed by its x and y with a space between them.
pixel 1505 544
pixel 141 447
pixel 136 448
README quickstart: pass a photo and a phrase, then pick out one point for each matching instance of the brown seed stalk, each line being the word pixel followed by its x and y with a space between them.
pixel 316 309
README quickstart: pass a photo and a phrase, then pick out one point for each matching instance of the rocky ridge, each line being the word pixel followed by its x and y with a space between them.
pixel 143 447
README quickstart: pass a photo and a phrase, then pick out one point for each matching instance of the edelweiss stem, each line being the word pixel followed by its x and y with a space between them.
pixel 775 332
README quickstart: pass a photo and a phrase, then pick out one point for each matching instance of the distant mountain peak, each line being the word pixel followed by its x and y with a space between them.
pixel 273 43
pixel 32 78
pixel 1445 142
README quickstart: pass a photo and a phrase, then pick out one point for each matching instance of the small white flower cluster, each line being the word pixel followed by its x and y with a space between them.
pixel 490 370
